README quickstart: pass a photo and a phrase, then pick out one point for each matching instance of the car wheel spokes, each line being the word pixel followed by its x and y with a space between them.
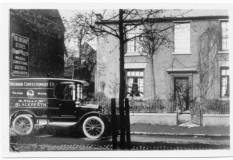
pixel 93 127
pixel 22 125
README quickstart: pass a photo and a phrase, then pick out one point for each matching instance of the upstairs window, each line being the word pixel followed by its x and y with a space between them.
pixel 182 38
pixel 133 46
pixel 225 36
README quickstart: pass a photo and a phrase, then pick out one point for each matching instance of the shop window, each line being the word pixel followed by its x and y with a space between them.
pixel 224 82
pixel 135 82
pixel 182 38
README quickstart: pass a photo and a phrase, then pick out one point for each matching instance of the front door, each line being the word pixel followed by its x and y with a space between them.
pixel 181 92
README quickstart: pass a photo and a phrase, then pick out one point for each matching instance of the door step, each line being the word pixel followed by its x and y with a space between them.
pixel 189 124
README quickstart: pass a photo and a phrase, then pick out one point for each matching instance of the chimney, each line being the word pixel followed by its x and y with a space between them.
pixel 99 16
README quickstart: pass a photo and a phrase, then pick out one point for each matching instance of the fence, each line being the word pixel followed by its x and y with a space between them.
pixel 150 106
pixel 216 107
pixel 165 106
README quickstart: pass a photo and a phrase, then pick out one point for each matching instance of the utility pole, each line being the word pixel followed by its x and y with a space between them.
pixel 122 81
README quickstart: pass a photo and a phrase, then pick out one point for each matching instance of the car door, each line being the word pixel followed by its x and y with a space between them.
pixel 65 93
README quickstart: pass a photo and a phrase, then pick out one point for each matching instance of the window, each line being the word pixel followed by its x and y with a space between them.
pixel 64 92
pixel 182 38
pixel 224 82
pixel 135 82
pixel 133 45
pixel 225 36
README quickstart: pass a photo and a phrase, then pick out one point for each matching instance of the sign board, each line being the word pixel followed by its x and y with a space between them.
pixel 20 55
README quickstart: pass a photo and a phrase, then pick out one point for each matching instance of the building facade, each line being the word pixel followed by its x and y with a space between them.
pixel 178 64
pixel 36 43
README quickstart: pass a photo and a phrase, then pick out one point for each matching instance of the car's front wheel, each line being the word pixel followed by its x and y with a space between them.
pixel 23 125
pixel 93 127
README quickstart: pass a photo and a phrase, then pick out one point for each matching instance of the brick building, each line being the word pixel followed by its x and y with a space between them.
pixel 178 63
pixel 82 67
pixel 36 43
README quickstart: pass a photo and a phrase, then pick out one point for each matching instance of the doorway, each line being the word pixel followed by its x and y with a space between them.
pixel 181 92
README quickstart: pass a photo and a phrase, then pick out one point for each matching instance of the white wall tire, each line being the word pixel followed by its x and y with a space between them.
pixel 23 125
pixel 93 127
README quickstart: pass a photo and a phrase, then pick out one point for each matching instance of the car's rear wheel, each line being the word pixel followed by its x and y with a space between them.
pixel 93 127
pixel 23 125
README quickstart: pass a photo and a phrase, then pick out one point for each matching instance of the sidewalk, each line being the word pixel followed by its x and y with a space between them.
pixel 148 129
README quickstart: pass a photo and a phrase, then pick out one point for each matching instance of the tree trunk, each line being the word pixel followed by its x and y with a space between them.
pixel 153 76
pixel 122 82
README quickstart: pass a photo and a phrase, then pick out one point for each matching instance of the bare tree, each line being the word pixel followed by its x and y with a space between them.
pixel 208 58
pixel 114 86
pixel 155 37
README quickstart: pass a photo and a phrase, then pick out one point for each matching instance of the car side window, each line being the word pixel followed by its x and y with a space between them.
pixel 64 92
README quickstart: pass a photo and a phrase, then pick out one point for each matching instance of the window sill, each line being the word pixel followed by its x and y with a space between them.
pixel 223 52
pixel 132 54
pixel 225 99
pixel 181 53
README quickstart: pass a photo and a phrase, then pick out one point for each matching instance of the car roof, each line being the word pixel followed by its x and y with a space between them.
pixel 59 79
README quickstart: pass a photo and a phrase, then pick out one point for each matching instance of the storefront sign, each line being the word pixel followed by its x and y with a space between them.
pixel 20 55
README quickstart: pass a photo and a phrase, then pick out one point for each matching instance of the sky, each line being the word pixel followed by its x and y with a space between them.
pixel 67 14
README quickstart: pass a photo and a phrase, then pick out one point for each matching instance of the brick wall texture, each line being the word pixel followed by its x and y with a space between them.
pixel 108 54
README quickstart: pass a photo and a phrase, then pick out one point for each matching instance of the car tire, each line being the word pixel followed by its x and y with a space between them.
pixel 23 125
pixel 93 127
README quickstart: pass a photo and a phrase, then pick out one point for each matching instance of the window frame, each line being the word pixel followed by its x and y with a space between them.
pixel 228 81
pixel 174 50
pixel 143 77
pixel 227 38
pixel 136 31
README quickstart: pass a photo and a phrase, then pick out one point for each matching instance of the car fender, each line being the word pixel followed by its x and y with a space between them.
pixel 94 113
pixel 14 115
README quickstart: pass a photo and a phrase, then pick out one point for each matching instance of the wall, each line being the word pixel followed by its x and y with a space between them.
pixel 154 118
pixel 46 47
pixel 164 61
pixel 216 120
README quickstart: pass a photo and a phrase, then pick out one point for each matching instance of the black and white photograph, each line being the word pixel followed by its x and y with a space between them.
pixel 115 80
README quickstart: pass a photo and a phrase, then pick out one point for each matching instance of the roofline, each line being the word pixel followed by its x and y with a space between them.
pixel 81 81
pixel 166 19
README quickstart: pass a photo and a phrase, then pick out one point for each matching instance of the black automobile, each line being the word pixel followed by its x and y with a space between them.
pixel 56 101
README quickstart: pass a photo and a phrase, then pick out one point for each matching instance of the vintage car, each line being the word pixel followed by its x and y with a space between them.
pixel 33 100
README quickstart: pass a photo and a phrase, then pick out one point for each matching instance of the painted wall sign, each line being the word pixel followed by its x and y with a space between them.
pixel 20 55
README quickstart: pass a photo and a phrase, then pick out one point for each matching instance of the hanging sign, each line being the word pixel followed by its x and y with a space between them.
pixel 20 55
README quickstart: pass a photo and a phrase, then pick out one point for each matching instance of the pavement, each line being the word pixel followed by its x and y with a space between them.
pixel 189 130
pixel 182 130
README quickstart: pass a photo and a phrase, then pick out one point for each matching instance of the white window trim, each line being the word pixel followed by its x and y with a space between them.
pixel 132 53
pixel 224 52
pixel 225 99
pixel 182 53
pixel 224 20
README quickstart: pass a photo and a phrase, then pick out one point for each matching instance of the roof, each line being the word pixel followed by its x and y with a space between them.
pixel 192 13
pixel 59 79
pixel 165 15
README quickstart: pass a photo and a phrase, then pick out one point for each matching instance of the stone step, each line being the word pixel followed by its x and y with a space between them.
pixel 189 124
